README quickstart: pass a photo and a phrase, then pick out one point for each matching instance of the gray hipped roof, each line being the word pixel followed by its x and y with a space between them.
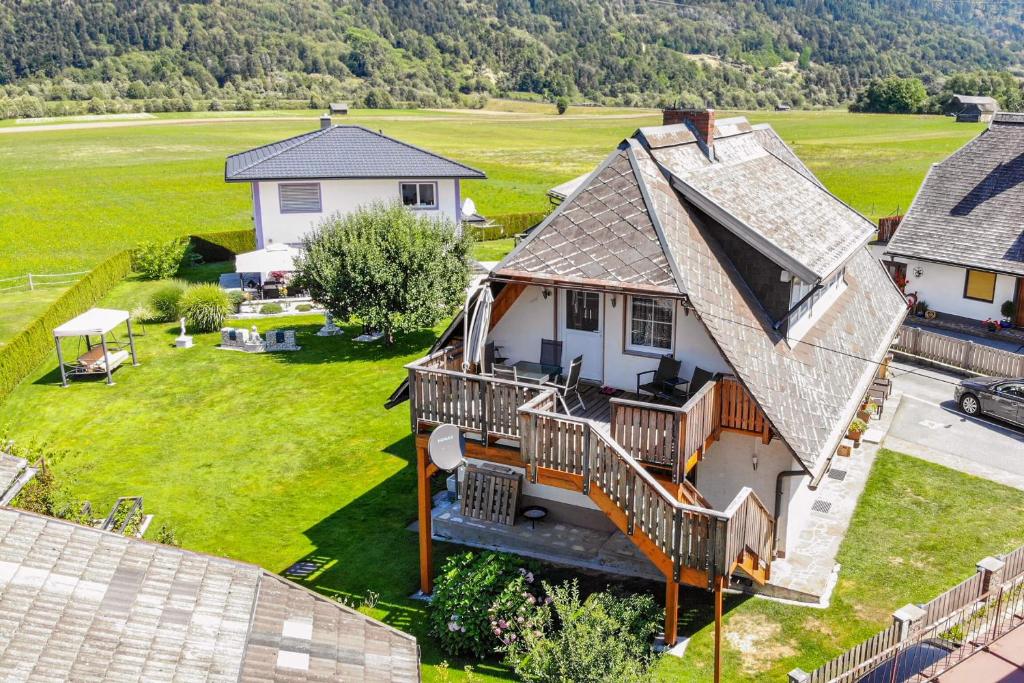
pixel 970 209
pixel 341 152
pixel 79 604
pixel 630 225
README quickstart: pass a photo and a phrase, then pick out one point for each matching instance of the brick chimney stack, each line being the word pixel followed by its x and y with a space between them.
pixel 702 121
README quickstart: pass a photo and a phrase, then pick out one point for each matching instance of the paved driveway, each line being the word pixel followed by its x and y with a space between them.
pixel 928 425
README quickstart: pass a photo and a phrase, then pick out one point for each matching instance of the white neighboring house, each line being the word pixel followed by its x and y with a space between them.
pixel 301 180
pixel 960 247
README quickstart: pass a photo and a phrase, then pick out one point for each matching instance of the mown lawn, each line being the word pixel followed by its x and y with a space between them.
pixel 285 458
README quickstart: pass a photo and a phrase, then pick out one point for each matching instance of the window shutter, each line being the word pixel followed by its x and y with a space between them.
pixel 300 197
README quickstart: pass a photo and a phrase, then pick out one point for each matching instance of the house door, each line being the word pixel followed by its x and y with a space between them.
pixel 582 331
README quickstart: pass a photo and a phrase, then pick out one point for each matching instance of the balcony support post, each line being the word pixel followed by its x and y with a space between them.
pixel 719 586
pixel 671 612
pixel 424 470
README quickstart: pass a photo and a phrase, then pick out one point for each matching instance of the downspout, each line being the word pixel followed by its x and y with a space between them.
pixel 778 501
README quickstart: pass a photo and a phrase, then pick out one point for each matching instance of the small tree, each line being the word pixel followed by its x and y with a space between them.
pixel 395 270
pixel 562 105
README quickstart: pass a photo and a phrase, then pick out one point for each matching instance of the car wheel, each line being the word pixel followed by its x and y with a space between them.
pixel 969 404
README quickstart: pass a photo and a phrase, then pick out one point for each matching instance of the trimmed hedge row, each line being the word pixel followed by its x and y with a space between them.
pixel 509 225
pixel 31 346
pixel 222 246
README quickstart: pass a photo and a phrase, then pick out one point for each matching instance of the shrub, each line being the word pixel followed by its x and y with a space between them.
pixel 606 637
pixel 562 105
pixel 236 298
pixel 304 308
pixel 28 348
pixel 160 260
pixel 474 594
pixel 1006 309
pixel 268 309
pixel 223 246
pixel 44 494
pixel 166 535
pixel 165 300
pixel 205 307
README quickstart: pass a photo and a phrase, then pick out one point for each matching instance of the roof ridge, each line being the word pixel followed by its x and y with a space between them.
pixel 305 137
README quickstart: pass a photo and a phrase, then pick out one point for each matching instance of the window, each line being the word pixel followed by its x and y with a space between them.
pixel 582 311
pixel 818 300
pixel 650 323
pixel 419 195
pixel 299 197
pixel 980 286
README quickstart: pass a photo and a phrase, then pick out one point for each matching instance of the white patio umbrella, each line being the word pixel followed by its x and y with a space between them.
pixel 271 258
pixel 477 325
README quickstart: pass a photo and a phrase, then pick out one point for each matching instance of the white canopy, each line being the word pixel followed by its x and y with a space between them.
pixel 267 260
pixel 93 321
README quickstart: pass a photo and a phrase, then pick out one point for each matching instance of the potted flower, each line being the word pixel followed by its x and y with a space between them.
pixel 856 431
pixel 871 409
pixel 990 324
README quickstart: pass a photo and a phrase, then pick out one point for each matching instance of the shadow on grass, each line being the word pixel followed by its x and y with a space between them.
pixel 341 348
pixel 366 548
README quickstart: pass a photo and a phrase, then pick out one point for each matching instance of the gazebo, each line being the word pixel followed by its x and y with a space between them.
pixel 101 358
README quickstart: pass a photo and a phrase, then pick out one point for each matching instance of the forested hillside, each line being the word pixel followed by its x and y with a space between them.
pixel 62 56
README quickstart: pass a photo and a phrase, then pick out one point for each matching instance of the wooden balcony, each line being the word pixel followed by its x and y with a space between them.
pixel 605 453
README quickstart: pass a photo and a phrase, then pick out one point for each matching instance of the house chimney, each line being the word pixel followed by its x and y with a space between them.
pixel 700 121
pixel 325 122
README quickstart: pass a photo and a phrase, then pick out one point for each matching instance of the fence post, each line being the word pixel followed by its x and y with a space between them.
pixel 586 458
pixel 991 570
pixel 798 675
pixel 968 355
pixel 31 285
pixel 905 617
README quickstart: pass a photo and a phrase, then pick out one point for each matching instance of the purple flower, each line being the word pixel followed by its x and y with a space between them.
pixel 529 577
pixel 547 600
pixel 512 637
pixel 497 631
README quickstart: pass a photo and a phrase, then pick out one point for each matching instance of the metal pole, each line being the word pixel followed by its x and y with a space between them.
pixel 131 343
pixel 106 359
pixel 60 362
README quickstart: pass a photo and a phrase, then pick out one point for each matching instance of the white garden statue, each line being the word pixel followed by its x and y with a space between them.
pixel 183 340
pixel 329 329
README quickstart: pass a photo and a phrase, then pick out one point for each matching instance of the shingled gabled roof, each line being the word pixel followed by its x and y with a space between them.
pixel 341 152
pixel 79 604
pixel 970 209
pixel 602 233
pixel 809 389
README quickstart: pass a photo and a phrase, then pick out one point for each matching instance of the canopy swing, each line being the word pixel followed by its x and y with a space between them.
pixel 99 359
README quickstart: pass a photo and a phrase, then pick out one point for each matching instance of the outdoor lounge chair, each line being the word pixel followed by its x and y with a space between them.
pixel 571 385
pixel 698 379
pixel 550 352
pixel 665 383
pixel 505 372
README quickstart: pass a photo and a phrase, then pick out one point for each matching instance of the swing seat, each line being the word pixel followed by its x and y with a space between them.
pixel 92 361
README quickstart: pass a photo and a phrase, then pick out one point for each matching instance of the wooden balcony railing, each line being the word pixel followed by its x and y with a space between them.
pixel 738 410
pixel 476 403
pixel 691 538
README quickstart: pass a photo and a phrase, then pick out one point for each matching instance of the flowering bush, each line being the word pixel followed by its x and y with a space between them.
pixel 606 637
pixel 481 603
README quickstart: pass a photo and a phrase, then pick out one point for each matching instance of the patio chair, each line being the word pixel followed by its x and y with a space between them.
pixel 505 372
pixel 550 352
pixel 571 385
pixel 698 379
pixel 487 363
pixel 665 382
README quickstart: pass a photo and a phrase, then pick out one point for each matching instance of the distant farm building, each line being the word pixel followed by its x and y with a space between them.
pixel 339 107
pixel 972 109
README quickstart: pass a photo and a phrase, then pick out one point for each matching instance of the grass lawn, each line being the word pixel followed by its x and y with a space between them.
pixel 286 458
pixel 20 308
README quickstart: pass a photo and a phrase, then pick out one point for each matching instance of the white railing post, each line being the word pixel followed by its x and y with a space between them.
pixel 799 676
pixel 904 619
pixel 991 570
pixel 31 284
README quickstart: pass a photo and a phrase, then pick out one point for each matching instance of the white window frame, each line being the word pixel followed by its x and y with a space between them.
pixel 810 311
pixel 419 207
pixel 280 198
pixel 644 349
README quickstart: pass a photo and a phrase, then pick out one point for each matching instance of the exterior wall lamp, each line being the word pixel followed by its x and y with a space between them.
pixel 753 461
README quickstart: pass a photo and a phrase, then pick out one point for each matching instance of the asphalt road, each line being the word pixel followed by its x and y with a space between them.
pixel 929 425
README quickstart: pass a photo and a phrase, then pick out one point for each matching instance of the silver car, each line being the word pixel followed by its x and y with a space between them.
pixel 999 397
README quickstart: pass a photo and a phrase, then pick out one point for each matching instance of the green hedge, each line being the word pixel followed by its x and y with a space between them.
pixel 32 345
pixel 509 225
pixel 222 246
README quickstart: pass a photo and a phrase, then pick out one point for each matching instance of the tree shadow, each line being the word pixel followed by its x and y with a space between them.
pixel 366 547
pixel 317 350
pixel 1002 178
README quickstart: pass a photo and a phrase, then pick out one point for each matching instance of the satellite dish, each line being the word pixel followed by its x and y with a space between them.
pixel 468 207
pixel 447 447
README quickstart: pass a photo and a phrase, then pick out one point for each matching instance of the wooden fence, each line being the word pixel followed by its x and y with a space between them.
pixel 960 620
pixel 959 353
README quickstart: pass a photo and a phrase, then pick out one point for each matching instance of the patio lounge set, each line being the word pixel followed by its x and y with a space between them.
pixel 664 383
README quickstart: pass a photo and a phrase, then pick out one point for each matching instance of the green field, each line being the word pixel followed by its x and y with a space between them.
pixel 70 197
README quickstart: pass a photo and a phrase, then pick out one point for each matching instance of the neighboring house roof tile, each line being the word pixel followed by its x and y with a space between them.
pixel 342 152
pixel 80 604
pixel 968 212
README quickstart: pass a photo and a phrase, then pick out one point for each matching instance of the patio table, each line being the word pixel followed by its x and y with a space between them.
pixel 536 372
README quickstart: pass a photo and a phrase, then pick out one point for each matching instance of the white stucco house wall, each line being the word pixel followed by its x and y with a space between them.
pixel 299 181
